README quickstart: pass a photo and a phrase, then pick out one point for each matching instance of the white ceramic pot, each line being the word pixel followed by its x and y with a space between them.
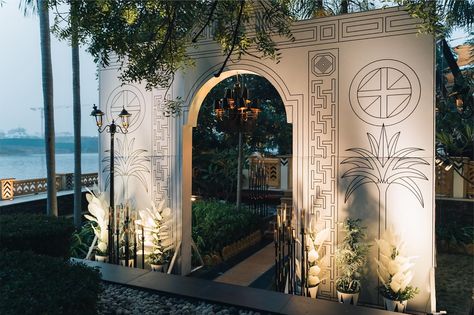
pixel 101 258
pixel 123 262
pixel 313 291
pixel 158 268
pixel 395 306
pixel 348 298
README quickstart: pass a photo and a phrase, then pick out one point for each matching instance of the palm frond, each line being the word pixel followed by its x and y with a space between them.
pixel 356 183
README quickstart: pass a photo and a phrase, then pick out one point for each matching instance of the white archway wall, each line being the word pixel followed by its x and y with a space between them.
pixel 327 81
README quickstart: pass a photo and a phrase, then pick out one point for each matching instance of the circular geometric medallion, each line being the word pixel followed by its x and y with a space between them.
pixel 323 64
pixel 384 92
pixel 132 99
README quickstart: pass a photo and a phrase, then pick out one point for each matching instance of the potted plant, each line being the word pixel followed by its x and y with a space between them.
pixel 98 215
pixel 157 227
pixel 122 254
pixel 351 257
pixel 314 258
pixel 155 260
pixel 394 273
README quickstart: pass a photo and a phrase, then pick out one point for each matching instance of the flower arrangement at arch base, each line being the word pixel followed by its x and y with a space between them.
pixel 394 273
pixel 98 216
pixel 156 229
pixel 311 274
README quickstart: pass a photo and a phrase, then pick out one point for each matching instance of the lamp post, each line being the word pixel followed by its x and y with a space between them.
pixel 112 129
pixel 237 113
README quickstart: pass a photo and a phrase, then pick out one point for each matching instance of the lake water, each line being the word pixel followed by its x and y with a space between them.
pixel 34 165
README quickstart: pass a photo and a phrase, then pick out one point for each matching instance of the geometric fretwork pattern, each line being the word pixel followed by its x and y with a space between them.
pixel 322 144
pixel 161 178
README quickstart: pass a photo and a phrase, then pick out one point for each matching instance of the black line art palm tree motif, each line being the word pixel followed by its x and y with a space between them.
pixel 128 163
pixel 384 165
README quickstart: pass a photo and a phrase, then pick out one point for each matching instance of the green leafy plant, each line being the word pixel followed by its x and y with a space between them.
pixel 394 269
pixel 81 240
pixel 351 257
pixel 217 224
pixel 42 234
pixel 157 225
pixel 37 284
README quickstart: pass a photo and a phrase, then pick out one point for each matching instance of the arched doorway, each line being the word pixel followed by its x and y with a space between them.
pixel 232 187
pixel 200 91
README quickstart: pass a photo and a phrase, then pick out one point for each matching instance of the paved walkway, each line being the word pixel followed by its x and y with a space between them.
pixel 250 269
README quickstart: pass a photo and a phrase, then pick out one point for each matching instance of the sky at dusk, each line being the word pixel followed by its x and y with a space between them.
pixel 20 77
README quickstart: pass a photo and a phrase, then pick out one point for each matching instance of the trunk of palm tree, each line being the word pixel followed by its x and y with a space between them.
pixel 76 104
pixel 47 79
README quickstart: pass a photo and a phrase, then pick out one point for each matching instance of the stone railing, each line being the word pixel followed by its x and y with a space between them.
pixel 11 187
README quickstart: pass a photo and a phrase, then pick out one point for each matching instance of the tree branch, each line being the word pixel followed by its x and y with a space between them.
pixel 236 31
pixel 213 8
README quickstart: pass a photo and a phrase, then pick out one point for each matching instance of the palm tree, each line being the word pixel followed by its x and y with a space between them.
pixel 47 79
pixel 76 104
pixel 383 166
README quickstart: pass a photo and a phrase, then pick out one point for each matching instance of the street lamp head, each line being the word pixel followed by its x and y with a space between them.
pixel 125 116
pixel 98 114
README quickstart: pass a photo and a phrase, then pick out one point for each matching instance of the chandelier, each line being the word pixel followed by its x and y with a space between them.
pixel 235 111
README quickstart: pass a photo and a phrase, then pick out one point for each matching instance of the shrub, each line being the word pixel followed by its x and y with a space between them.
pixel 42 234
pixel 36 284
pixel 82 240
pixel 217 224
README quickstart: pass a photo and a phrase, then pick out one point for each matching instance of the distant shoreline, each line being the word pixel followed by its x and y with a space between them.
pixel 27 146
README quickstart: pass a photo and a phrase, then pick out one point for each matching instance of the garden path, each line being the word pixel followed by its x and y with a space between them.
pixel 250 269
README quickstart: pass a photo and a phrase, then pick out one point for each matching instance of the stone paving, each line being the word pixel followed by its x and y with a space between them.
pixel 251 268
pixel 122 300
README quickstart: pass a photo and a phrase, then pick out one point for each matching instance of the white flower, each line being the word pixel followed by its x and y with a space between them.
pixel 98 209
pixel 385 248
pixel 393 267
pixel 102 246
pixel 321 237
pixel 312 256
pixel 314 270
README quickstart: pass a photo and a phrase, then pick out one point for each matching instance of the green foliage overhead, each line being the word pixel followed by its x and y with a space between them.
pixel 42 234
pixel 440 17
pixel 154 36
pixel 35 284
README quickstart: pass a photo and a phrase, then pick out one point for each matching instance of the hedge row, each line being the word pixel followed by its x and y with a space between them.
pixel 36 284
pixel 46 235
pixel 217 224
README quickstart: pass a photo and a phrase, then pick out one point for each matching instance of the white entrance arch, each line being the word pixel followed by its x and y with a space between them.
pixel 345 81
pixel 196 97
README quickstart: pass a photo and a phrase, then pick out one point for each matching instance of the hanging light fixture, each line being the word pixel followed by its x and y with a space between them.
pixel 235 108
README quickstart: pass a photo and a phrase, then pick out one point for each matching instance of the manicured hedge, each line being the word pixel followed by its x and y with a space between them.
pixel 46 235
pixel 217 224
pixel 36 284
